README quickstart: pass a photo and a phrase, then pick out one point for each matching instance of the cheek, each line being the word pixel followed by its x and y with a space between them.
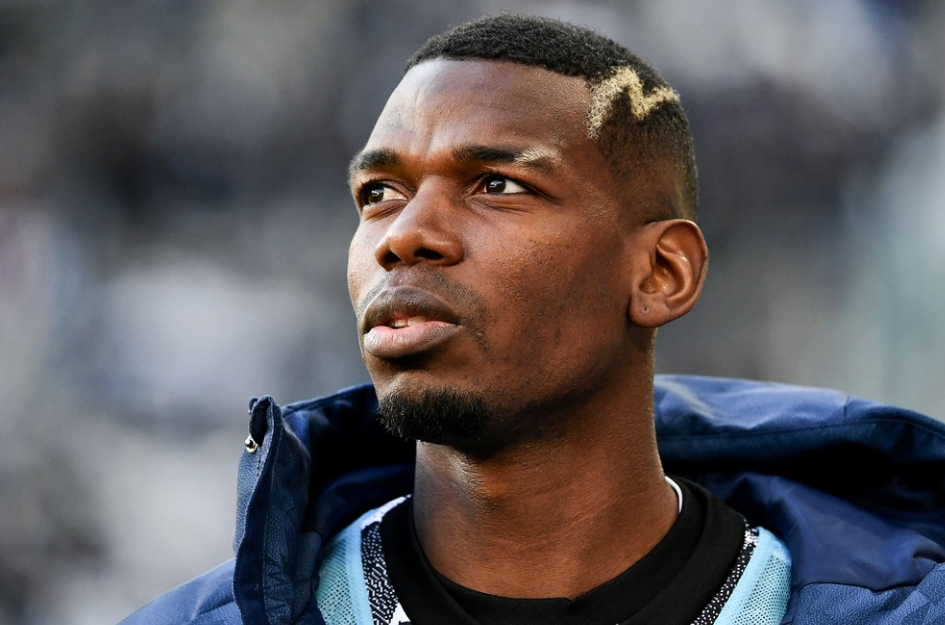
pixel 559 291
pixel 360 263
pixel 561 271
pixel 560 323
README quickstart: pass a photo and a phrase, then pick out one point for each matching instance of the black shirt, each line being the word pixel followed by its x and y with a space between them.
pixel 672 584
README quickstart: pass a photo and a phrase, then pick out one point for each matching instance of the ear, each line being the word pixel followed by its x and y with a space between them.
pixel 670 259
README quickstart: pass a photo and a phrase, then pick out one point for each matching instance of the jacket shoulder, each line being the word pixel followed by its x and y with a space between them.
pixel 708 419
pixel 840 603
pixel 205 600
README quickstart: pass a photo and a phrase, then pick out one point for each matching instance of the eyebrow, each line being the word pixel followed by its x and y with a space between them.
pixel 531 158
pixel 372 159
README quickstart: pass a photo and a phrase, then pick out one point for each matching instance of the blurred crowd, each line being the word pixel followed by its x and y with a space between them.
pixel 174 221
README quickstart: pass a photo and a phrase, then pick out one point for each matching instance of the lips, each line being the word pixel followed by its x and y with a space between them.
pixel 406 321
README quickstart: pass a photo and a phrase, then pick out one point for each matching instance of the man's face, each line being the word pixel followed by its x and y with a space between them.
pixel 488 265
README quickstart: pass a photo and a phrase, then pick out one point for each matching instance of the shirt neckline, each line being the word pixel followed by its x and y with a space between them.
pixel 698 551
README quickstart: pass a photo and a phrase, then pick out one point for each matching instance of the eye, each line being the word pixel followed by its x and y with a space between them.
pixel 377 192
pixel 494 183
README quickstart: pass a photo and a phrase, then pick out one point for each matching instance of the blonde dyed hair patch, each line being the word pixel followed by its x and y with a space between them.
pixel 624 79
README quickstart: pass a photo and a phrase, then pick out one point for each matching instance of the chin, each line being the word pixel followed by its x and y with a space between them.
pixel 442 416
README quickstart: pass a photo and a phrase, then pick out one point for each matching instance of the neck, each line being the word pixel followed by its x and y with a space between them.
pixel 580 508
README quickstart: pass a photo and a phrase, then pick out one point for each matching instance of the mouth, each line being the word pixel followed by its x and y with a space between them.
pixel 406 321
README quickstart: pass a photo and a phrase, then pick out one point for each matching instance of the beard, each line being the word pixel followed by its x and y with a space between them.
pixel 442 416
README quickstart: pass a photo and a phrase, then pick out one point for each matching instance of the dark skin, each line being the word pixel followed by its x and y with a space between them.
pixel 498 255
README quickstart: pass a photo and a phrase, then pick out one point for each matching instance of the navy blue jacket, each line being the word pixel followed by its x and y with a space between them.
pixel 855 489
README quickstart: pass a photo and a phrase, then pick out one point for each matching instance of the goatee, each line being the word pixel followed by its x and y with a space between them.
pixel 442 416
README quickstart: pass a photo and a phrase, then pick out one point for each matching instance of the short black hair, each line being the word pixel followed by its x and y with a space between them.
pixel 635 115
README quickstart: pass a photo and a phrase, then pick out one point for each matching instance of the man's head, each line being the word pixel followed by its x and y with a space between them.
pixel 519 240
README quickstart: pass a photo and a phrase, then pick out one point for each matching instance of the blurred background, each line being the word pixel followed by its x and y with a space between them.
pixel 174 222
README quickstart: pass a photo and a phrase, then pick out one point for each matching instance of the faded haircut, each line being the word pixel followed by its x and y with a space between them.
pixel 635 116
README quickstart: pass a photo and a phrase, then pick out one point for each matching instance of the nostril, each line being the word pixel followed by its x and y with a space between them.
pixel 389 258
pixel 427 254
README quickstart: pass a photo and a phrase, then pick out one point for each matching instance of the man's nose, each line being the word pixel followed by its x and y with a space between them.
pixel 426 230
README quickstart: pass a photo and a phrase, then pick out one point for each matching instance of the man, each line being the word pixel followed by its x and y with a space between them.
pixel 526 203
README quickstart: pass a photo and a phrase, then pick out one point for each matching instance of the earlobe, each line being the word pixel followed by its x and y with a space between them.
pixel 669 268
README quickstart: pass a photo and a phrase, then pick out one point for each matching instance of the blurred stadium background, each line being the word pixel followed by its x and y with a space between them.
pixel 174 223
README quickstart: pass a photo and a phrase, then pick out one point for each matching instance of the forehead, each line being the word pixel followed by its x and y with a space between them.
pixel 443 103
